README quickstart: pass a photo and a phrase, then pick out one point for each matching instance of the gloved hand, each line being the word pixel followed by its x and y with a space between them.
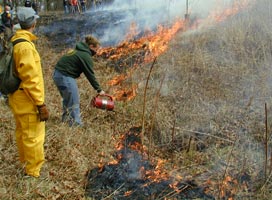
pixel 102 92
pixel 43 113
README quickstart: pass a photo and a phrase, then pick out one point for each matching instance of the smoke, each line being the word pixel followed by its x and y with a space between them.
pixel 148 15
pixel 171 8
pixel 111 23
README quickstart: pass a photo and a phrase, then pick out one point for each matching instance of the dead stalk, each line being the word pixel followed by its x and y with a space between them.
pixel 266 182
pixel 189 144
pixel 173 139
pixel 270 171
pixel 206 134
pixel 173 130
pixel 143 114
pixel 177 191
pixel 225 172
pixel 114 124
pixel 154 117
pixel 266 144
pixel 109 196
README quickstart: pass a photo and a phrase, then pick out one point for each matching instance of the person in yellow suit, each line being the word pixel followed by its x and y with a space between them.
pixel 27 103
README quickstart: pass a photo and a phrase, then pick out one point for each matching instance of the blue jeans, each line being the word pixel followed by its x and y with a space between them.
pixel 66 9
pixel 83 7
pixel 68 89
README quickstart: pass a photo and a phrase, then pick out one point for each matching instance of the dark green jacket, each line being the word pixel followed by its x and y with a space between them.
pixel 77 61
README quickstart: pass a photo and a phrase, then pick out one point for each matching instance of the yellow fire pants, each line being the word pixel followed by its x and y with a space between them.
pixel 30 132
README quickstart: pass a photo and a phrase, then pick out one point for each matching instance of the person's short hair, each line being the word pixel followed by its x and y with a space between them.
pixel 7 7
pixel 26 17
pixel 90 40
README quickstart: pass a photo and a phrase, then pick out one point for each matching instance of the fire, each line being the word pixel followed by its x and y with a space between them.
pixel 158 43
pixel 148 47
pixel 117 80
pixel 132 33
pixel 100 165
pixel 125 94
pixel 229 188
pixel 158 174
pixel 155 43
pixel 135 177
pixel 220 15
pixel 114 162
pixel 127 193
pixel 233 184
pixel 155 174
pixel 237 6
pixel 133 52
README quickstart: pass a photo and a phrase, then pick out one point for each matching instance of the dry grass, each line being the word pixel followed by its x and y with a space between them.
pixel 206 119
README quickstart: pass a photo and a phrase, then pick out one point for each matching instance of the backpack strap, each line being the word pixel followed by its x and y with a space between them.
pixel 18 41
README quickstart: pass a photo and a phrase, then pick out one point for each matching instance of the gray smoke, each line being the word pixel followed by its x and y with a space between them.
pixel 148 15
pixel 111 23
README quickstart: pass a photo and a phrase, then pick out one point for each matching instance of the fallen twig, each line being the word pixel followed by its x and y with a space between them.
pixel 113 193
pixel 207 134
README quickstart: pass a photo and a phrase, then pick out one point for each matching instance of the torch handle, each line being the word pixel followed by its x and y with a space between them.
pixel 107 95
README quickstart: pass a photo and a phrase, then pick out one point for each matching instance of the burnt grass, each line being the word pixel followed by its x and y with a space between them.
pixel 111 182
pixel 66 30
pixel 128 180
pixel 110 26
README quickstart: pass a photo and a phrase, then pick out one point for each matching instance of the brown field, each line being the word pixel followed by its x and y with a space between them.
pixel 207 115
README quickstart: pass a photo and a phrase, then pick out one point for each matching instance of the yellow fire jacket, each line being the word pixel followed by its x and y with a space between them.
pixel 28 65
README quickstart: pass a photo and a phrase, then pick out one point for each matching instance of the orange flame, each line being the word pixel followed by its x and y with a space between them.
pixel 220 15
pixel 153 44
pixel 229 187
pixel 158 43
pixel 127 193
pixel 158 174
pixel 237 6
pixel 117 79
pixel 125 94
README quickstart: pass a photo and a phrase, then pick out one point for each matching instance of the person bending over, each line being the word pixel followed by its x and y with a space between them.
pixel 68 68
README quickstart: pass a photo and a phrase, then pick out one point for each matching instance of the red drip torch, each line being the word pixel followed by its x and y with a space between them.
pixel 102 103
